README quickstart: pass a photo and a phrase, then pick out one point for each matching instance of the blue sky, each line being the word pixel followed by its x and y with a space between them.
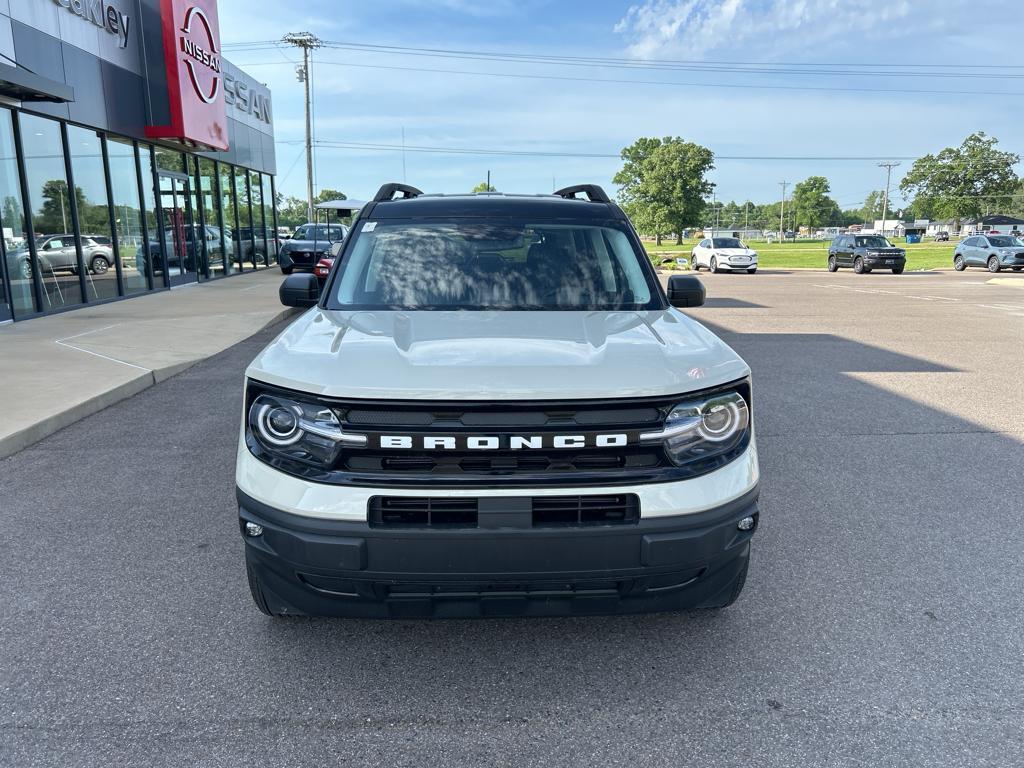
pixel 359 100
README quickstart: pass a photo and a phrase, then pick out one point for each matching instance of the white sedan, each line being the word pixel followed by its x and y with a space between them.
pixel 724 254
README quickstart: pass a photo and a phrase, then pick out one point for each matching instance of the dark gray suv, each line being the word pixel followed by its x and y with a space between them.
pixel 864 253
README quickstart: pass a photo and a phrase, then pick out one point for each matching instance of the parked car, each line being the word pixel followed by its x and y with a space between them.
pixel 494 408
pixel 942 237
pixel 991 251
pixel 309 244
pixel 214 249
pixel 723 254
pixel 864 253
pixel 57 253
pixel 249 241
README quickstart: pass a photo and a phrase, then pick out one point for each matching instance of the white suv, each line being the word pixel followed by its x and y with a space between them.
pixel 727 254
pixel 493 408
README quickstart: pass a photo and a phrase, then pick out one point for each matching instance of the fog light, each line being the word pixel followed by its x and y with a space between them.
pixel 746 524
pixel 254 529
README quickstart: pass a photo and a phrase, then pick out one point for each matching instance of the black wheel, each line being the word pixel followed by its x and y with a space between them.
pixel 98 265
pixel 958 262
pixel 714 264
pixel 858 266
pixel 752 271
pixel 286 270
pixel 833 265
pixel 737 587
pixel 26 270
pixel 993 264
pixel 693 262
pixel 897 270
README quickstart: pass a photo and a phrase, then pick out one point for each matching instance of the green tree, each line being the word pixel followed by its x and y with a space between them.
pixel 292 213
pixel 812 206
pixel 54 216
pixel 663 186
pixel 872 210
pixel 966 181
pixel 483 186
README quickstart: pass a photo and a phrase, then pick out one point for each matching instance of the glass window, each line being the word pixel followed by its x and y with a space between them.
pixel 246 244
pixel 493 264
pixel 12 222
pixel 227 204
pixel 258 228
pixel 210 202
pixel 726 242
pixel 50 209
pixel 273 237
pixel 124 184
pixel 169 160
pixel 93 213
pixel 155 260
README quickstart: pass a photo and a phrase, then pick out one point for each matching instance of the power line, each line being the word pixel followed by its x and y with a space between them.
pixel 872 69
pixel 671 83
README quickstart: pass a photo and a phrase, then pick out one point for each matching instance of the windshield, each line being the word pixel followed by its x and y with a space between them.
pixel 872 242
pixel 726 242
pixel 500 264
pixel 319 232
pixel 1004 241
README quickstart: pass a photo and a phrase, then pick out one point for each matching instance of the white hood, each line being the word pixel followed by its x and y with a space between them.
pixel 735 251
pixel 473 355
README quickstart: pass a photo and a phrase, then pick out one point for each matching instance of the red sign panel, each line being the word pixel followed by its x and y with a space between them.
pixel 195 83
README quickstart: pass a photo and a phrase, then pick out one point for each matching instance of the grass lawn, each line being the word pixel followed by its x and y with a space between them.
pixel 814 253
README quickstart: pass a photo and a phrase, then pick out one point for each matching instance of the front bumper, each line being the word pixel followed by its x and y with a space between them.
pixel 737 266
pixel 346 568
pixel 884 262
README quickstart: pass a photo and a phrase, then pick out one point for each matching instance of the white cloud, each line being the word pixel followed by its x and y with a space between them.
pixel 774 28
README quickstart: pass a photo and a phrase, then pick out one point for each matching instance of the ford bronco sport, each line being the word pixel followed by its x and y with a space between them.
pixel 493 408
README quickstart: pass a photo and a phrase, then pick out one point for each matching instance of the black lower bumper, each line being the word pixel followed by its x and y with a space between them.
pixel 330 568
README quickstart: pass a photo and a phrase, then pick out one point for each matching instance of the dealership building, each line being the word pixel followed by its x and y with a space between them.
pixel 133 157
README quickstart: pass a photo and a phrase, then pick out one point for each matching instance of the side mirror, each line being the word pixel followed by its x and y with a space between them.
pixel 300 291
pixel 685 291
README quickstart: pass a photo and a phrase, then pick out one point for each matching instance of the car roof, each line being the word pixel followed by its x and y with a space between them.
pixel 491 204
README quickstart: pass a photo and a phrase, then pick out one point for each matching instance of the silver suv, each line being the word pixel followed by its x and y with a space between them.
pixel 991 251
pixel 58 253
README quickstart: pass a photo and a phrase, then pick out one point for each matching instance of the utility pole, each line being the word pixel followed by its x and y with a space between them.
pixel 488 181
pixel 307 42
pixel 885 199
pixel 782 212
pixel 746 218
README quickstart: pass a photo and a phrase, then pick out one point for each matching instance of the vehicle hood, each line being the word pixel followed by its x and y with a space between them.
pixel 431 355
pixel 735 251
pixel 308 245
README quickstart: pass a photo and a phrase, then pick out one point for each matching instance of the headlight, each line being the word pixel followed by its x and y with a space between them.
pixel 712 430
pixel 286 429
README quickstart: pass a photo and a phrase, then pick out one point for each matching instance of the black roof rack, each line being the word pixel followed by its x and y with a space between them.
pixel 388 192
pixel 593 192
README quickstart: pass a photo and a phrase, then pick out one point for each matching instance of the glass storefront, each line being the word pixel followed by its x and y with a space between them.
pixel 141 217
pixel 95 239
pixel 124 189
pixel 16 279
pixel 54 253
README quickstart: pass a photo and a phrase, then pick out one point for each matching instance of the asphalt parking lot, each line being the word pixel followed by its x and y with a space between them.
pixel 881 624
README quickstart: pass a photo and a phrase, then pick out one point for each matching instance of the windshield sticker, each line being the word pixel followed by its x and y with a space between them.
pixel 369 226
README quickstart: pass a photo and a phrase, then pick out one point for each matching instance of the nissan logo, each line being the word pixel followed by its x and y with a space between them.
pixel 205 56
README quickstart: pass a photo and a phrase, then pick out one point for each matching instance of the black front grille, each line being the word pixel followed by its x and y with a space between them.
pixel 304 258
pixel 545 511
pixel 399 512
pixel 621 509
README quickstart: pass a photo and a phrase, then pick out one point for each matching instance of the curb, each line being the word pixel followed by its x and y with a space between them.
pixel 18 441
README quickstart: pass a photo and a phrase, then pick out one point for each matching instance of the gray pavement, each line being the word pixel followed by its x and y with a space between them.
pixel 60 368
pixel 880 626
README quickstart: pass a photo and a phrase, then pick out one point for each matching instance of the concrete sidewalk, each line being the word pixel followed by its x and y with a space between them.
pixel 58 369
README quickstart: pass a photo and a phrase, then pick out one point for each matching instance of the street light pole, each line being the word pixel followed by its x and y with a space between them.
pixel 307 42
pixel 782 211
pixel 885 198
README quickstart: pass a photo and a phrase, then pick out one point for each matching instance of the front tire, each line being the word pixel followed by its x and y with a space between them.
pixel 897 270
pixel 752 271
pixel 993 264
pixel 98 265
pixel 958 263
pixel 714 265
pixel 833 265
pixel 693 262
pixel 858 265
